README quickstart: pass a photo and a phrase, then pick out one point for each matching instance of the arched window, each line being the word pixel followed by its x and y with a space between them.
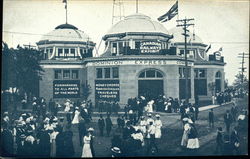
pixel 151 73
pixel 218 75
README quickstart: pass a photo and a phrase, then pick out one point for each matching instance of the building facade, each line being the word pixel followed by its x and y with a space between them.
pixel 140 58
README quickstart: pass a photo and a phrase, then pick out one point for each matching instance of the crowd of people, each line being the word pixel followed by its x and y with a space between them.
pixel 46 133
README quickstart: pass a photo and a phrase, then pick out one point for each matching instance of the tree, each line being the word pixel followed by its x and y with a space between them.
pixel 21 69
pixel 239 85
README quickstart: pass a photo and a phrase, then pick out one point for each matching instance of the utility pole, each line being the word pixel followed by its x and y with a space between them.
pixel 185 24
pixel 242 68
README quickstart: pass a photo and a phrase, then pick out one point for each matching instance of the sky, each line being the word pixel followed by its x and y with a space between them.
pixel 221 23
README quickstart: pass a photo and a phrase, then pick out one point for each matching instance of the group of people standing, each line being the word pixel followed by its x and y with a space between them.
pixel 130 138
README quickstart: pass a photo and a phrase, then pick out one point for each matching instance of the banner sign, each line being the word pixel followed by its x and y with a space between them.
pixel 107 90
pixel 150 47
pixel 148 62
pixel 66 88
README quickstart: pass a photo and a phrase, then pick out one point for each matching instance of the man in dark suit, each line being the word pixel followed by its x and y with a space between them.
pixel 108 124
pixel 211 118
pixel 82 130
pixel 101 124
pixel 228 119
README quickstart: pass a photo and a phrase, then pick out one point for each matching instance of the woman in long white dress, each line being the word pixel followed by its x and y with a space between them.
pixel 158 125
pixel 150 106
pixel 76 117
pixel 143 124
pixel 86 150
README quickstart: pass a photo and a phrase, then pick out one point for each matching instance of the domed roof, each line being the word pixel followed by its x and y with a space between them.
pixel 137 23
pixel 178 37
pixel 66 32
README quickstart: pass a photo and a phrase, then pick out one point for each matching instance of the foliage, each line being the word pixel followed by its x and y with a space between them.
pixel 237 84
pixel 86 91
pixel 21 69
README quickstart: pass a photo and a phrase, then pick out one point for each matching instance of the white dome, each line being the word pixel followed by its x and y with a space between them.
pixel 137 23
pixel 178 37
pixel 66 32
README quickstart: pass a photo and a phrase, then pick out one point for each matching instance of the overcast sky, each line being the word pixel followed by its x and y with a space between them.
pixel 221 23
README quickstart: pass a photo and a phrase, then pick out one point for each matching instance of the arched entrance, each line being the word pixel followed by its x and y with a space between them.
pixel 150 83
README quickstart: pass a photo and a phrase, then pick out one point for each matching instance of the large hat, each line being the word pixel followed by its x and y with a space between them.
pixel 157 116
pixel 190 121
pixel 185 119
pixel 5 113
pixel 116 150
pixel 90 129
pixel 77 107
pixel 149 114
pixel 22 136
pixel 142 117
pixel 19 124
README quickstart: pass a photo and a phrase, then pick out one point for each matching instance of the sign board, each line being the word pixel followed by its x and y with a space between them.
pixel 148 62
pixel 66 88
pixel 217 56
pixel 150 47
pixel 107 90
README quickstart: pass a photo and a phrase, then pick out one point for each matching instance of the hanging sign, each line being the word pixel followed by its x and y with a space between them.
pixel 150 47
pixel 66 88
pixel 107 90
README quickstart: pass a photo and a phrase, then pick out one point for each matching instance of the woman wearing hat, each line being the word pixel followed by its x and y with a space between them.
pixel 158 125
pixel 187 128
pixel 143 124
pixel 116 152
pixel 193 142
pixel 86 150
pixel 76 116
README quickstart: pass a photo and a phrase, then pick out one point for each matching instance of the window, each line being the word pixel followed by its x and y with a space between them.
pixel 115 72
pixel 58 74
pixel 218 74
pixel 114 48
pixel 72 51
pixel 106 72
pixel 59 52
pixel 158 74
pixel 137 45
pixel 66 52
pixel 200 73
pixel 181 52
pixel 99 73
pixel 75 74
pixel 151 74
pixel 66 74
pixel 182 72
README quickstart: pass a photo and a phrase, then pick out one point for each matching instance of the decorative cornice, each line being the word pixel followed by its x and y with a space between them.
pixel 121 35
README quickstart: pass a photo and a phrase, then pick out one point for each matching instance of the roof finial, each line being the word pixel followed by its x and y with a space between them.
pixel 66 9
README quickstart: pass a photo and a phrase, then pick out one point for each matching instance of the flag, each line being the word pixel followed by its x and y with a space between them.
pixel 208 48
pixel 65 1
pixel 170 14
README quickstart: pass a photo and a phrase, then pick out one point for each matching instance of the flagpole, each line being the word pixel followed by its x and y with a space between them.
pixel 136 6
pixel 66 12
